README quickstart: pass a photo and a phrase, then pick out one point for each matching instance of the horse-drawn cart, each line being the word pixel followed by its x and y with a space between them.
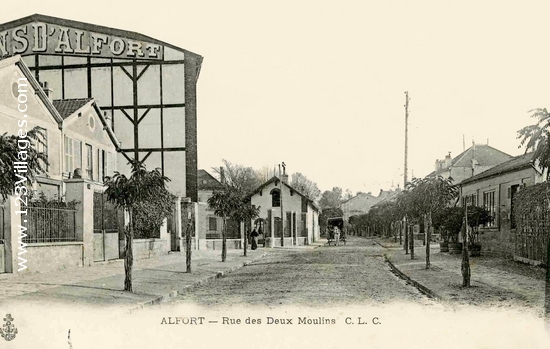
pixel 332 223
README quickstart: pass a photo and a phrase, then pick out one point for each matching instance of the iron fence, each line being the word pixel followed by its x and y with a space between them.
pixel 47 224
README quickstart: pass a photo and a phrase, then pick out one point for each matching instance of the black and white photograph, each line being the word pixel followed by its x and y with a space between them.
pixel 245 174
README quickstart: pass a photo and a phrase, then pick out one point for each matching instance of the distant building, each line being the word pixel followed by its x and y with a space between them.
pixel 472 161
pixel 301 214
pixel 362 203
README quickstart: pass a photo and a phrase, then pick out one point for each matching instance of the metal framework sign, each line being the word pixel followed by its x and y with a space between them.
pixel 46 38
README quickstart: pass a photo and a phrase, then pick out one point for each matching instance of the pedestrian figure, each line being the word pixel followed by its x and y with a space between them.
pixel 254 235
pixel 337 235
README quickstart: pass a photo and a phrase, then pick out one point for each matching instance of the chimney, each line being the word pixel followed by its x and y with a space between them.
pixel 222 175
pixel 47 90
pixel 448 160
pixel 284 176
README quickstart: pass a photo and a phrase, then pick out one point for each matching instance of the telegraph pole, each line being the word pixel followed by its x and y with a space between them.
pixel 407 99
pixel 281 202
pixel 405 223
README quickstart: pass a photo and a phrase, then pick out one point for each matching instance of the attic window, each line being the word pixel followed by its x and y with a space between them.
pixel 91 122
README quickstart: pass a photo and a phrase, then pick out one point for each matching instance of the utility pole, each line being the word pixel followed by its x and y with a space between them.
pixel 281 202
pixel 405 223
pixel 406 136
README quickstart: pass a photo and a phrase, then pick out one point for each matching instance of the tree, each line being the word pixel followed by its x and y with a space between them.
pixel 142 187
pixel 347 195
pixel 224 203
pixel 245 212
pixel 305 186
pixel 331 199
pixel 243 179
pixel 21 149
pixel 536 138
pixel 431 195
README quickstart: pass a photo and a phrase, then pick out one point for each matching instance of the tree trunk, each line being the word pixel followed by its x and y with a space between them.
pixel 245 237
pixel 411 240
pixel 547 290
pixel 406 231
pixel 428 239
pixel 128 254
pixel 465 267
pixel 188 233
pixel 400 233
pixel 224 241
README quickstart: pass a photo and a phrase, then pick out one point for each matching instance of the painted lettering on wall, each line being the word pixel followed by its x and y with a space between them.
pixel 46 38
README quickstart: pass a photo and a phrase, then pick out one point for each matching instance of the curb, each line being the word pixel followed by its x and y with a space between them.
pixel 419 286
pixel 184 289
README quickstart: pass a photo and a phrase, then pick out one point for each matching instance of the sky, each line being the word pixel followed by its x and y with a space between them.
pixel 320 85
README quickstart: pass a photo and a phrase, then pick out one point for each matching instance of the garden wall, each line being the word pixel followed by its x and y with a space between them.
pixel 44 257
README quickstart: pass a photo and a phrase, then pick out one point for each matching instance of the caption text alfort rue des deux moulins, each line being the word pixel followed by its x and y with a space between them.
pixel 305 320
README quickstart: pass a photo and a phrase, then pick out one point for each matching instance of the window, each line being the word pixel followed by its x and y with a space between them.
pixel 89 162
pixel 110 164
pixel 275 198
pixel 471 200
pixel 100 165
pixel 489 205
pixel 212 223
pixel 73 155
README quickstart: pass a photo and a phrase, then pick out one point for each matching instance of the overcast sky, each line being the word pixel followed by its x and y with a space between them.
pixel 320 84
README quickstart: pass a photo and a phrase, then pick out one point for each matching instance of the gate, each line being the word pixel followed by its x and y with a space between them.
pixel 106 245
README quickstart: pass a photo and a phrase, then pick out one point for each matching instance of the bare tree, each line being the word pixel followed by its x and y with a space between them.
pixel 243 179
pixel 305 186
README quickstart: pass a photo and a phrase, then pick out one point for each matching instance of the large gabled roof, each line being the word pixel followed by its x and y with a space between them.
pixel 211 182
pixel 89 27
pixel 18 62
pixel 275 178
pixel 66 107
pixel 484 155
pixel 515 164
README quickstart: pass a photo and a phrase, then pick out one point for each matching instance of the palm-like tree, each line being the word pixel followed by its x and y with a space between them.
pixel 127 192
pixel 10 153
pixel 536 138
pixel 224 203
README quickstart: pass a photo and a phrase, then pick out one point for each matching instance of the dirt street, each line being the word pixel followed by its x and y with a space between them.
pixel 326 276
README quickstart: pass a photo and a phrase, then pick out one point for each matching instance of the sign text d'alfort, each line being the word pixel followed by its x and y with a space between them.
pixel 45 38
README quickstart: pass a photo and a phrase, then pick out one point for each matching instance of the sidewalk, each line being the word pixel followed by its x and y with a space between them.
pixel 496 282
pixel 154 280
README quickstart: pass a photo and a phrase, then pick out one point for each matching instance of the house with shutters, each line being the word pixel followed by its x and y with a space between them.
pixel 287 217
pixel 494 190
pixel 81 150
pixel 78 139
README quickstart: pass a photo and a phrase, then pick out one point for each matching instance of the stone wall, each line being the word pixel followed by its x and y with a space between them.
pixel 216 244
pixel 53 256
pixel 148 248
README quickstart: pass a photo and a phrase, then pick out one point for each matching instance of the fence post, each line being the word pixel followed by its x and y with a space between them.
pixel 83 192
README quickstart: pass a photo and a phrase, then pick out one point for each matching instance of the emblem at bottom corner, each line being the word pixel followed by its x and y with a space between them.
pixel 8 331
